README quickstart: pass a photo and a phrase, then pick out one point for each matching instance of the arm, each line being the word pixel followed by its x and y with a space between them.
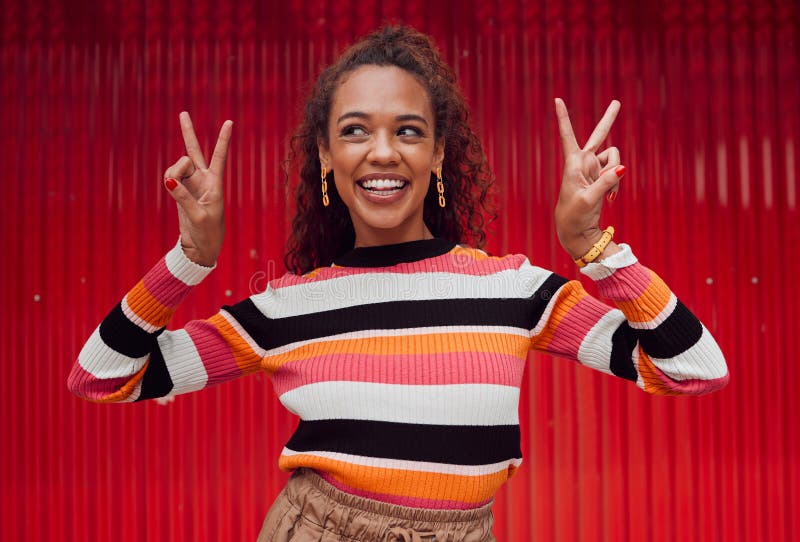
pixel 131 357
pixel 651 338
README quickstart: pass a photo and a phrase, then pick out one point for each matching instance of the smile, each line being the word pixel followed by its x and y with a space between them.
pixel 382 187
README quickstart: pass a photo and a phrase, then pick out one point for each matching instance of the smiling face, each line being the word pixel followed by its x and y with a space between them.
pixel 381 150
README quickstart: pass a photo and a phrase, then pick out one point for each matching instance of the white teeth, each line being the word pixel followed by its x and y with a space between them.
pixel 383 183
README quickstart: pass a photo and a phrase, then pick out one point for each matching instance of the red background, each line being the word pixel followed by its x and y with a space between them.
pixel 708 131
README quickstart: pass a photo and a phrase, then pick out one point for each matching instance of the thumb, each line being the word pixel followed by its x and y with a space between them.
pixel 607 183
pixel 184 198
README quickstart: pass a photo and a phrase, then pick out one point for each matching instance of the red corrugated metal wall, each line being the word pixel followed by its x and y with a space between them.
pixel 708 131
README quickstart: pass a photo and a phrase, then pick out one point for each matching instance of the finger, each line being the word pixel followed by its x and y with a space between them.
pixel 181 169
pixel 609 159
pixel 603 127
pixel 606 184
pixel 190 140
pixel 184 199
pixel 221 149
pixel 568 142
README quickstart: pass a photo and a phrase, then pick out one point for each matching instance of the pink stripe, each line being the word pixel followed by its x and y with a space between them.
pixel 626 284
pixel 692 386
pixel 164 286
pixel 413 502
pixel 409 369
pixel 575 325
pixel 446 263
pixel 87 386
pixel 214 351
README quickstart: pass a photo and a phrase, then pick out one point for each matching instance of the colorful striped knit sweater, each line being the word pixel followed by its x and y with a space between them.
pixel 403 362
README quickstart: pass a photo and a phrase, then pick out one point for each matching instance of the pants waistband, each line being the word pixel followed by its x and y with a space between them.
pixel 306 486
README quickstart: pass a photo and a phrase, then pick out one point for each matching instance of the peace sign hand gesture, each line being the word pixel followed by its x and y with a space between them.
pixel 197 189
pixel 588 177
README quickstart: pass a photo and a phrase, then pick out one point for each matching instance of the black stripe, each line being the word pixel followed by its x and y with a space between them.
pixel 125 337
pixel 386 255
pixel 269 333
pixel 623 341
pixel 544 294
pixel 513 312
pixel 455 444
pixel 156 381
pixel 675 335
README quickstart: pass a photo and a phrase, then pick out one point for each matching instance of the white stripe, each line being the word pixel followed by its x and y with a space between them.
pixel 103 362
pixel 366 288
pixel 595 349
pixel 133 317
pixel 242 333
pixel 419 466
pixel 184 269
pixel 183 362
pixel 371 333
pixel 660 317
pixel 704 361
pixel 606 267
pixel 451 404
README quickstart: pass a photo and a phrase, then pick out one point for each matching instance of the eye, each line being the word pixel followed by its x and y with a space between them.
pixel 410 131
pixel 353 129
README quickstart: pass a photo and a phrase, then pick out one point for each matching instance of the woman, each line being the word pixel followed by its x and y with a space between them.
pixel 400 346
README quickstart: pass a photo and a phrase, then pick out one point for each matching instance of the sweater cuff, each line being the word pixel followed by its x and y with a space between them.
pixel 184 269
pixel 606 267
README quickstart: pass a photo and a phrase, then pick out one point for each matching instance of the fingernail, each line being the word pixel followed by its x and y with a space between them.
pixel 171 184
pixel 620 171
pixel 612 196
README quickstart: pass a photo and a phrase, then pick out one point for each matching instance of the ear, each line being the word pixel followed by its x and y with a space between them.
pixel 438 154
pixel 324 154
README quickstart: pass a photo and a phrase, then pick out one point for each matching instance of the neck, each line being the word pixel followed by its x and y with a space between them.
pixel 390 237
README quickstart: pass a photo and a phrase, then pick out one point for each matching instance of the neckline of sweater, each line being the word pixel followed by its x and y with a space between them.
pixel 395 253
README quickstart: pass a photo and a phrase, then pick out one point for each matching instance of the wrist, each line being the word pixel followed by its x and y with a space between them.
pixel 196 257
pixel 610 250
pixel 598 250
pixel 579 245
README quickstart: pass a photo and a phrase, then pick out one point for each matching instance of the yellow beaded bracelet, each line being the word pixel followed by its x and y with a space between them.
pixel 597 248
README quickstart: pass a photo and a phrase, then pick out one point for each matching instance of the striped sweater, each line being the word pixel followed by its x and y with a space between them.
pixel 403 362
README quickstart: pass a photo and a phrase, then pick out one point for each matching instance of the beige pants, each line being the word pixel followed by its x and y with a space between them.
pixel 309 508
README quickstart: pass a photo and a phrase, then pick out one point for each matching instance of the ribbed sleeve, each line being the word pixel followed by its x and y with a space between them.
pixel 130 356
pixel 651 338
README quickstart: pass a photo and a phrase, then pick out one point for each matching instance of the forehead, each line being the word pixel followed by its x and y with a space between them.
pixel 379 90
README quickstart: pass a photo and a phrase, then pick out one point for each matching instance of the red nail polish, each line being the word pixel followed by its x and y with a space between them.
pixel 612 196
pixel 620 171
pixel 171 184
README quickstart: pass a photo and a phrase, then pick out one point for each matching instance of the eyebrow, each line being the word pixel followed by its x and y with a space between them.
pixel 362 115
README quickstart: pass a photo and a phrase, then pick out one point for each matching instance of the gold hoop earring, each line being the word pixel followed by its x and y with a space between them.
pixel 325 200
pixel 440 186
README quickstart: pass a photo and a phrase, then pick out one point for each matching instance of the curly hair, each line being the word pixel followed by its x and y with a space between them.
pixel 320 234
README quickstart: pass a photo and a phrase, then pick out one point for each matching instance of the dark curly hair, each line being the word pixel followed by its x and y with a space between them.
pixel 321 234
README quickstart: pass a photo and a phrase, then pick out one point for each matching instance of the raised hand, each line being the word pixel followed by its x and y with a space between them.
pixel 197 189
pixel 588 177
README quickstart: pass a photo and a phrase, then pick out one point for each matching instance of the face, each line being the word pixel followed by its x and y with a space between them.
pixel 381 150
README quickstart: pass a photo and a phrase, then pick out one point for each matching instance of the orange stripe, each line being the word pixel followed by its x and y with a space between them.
pixel 126 390
pixel 430 343
pixel 471 252
pixel 403 483
pixel 652 383
pixel 648 305
pixel 148 308
pixel 311 274
pixel 246 359
pixel 570 295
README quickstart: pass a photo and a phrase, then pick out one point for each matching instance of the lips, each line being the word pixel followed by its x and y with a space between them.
pixel 382 188
pixel 382 182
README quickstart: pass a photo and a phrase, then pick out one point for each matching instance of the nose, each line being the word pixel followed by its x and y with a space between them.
pixel 383 149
